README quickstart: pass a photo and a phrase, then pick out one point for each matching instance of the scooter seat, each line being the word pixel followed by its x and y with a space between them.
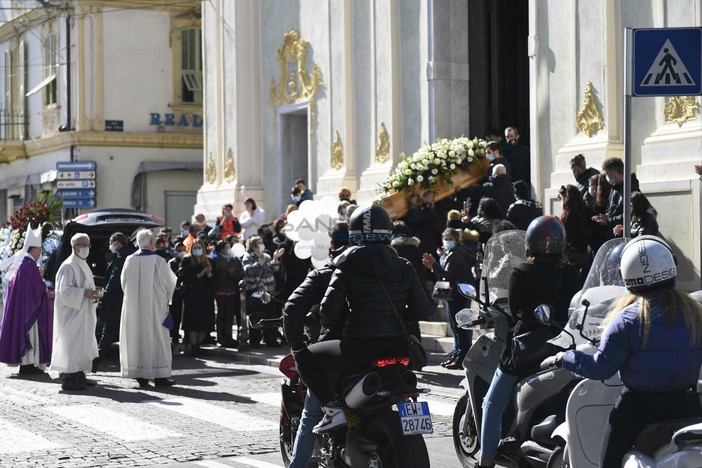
pixel 655 436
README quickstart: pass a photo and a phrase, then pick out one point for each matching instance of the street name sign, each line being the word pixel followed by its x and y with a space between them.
pixel 75 184
pixel 63 175
pixel 667 62
pixel 78 193
pixel 76 166
pixel 79 203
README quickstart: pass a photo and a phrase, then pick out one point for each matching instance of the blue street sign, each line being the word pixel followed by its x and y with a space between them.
pixel 667 62
pixel 79 203
pixel 76 166
pixel 76 193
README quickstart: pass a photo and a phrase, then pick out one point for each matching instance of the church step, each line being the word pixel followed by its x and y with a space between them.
pixel 435 328
pixel 437 344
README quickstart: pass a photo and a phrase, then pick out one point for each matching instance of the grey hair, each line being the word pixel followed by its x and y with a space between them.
pixel 144 238
pixel 79 236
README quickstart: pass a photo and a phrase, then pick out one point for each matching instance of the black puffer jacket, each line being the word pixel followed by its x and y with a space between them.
pixel 523 212
pixel 582 181
pixel 305 300
pixel 357 282
pixel 615 211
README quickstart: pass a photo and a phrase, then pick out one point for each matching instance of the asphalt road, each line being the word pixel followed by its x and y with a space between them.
pixel 223 412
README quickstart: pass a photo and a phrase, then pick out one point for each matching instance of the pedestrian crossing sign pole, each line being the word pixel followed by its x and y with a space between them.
pixel 658 62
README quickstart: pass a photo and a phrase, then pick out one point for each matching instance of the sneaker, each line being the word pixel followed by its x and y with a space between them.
pixel 333 417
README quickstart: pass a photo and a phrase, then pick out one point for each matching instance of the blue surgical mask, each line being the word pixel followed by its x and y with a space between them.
pixel 261 248
pixel 610 180
pixel 449 245
pixel 490 156
pixel 295 199
pixel 197 252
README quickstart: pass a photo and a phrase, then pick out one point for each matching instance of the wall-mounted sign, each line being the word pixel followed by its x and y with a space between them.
pixel 75 184
pixel 114 125
pixel 176 120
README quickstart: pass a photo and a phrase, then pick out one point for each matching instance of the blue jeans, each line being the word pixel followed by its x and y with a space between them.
pixel 496 400
pixel 305 439
pixel 462 339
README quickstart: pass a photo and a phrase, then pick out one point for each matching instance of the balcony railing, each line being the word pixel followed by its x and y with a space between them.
pixel 12 125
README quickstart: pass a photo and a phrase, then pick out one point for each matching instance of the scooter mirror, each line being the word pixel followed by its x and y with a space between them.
pixel 466 290
pixel 543 314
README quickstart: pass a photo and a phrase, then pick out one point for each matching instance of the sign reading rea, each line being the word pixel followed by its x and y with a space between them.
pixel 175 120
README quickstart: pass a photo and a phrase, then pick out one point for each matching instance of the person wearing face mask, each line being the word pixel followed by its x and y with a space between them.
pixel 582 174
pixel 176 305
pixel 198 296
pixel 614 172
pixel 227 272
pixel 295 195
pixel 184 230
pixel 75 346
pixel 493 153
pixel 111 302
pixel 204 227
pixel 452 267
pixel 25 334
pixel 259 275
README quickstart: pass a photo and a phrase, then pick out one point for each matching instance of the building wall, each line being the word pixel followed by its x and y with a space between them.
pixel 576 42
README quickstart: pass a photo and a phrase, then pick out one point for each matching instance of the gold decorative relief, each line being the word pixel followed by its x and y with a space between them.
pixel 229 169
pixel 680 109
pixel 211 171
pixel 295 83
pixel 382 149
pixel 337 153
pixel 589 119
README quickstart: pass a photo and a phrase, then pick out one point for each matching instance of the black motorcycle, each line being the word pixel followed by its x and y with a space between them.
pixel 376 435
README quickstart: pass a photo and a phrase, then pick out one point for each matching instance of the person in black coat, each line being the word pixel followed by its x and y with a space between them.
pixel 427 224
pixel 176 306
pixel 227 271
pixel 371 294
pixel 452 267
pixel 643 217
pixel 525 209
pixel 614 172
pixel 499 187
pixel 407 247
pixel 582 174
pixel 578 225
pixel 111 301
pixel 546 278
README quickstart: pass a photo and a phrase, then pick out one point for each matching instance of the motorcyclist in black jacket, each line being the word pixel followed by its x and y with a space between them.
pixel 370 328
pixel 300 312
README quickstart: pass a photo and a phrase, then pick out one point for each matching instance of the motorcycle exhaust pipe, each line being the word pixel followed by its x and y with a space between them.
pixel 363 390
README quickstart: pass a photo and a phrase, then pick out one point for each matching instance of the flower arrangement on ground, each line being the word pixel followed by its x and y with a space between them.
pixel 431 162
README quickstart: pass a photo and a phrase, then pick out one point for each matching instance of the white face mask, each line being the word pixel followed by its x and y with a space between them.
pixel 261 248
pixel 180 254
pixel 83 252
pixel 114 249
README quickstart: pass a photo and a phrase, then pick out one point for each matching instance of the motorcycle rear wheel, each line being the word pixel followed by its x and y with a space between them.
pixel 394 449
pixel 467 445
pixel 288 430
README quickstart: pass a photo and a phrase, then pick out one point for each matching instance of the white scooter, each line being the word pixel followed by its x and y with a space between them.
pixel 591 401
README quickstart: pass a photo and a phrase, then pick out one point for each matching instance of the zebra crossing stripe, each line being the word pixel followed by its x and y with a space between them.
pixel 15 440
pixel 255 463
pixel 229 418
pixel 112 423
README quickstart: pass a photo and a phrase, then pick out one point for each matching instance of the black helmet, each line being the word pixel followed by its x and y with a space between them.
pixel 370 224
pixel 545 236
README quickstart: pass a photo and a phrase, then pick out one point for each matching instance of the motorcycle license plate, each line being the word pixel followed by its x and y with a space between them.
pixel 415 418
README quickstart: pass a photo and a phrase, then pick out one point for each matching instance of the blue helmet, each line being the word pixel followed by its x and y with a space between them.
pixel 545 236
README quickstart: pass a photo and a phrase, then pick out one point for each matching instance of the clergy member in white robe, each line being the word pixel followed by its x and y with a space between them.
pixel 145 342
pixel 75 346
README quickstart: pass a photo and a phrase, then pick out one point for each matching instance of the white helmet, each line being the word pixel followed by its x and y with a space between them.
pixel 648 262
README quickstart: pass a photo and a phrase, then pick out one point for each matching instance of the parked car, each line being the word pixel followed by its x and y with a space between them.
pixel 99 225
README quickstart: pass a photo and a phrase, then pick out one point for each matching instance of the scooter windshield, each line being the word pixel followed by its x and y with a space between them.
pixel 603 286
pixel 503 251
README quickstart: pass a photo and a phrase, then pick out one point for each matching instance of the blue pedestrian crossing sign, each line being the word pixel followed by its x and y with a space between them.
pixel 667 62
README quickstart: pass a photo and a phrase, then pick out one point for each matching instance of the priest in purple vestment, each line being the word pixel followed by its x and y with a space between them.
pixel 27 321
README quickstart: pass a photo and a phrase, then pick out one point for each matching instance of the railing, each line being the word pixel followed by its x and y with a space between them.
pixel 12 126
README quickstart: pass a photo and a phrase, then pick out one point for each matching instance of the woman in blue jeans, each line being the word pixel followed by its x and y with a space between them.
pixel 546 278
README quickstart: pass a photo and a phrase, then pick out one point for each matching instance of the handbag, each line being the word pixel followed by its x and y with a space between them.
pixel 442 291
pixel 532 347
pixel 415 350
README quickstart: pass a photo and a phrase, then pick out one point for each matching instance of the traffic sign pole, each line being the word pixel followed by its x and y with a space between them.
pixel 628 66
